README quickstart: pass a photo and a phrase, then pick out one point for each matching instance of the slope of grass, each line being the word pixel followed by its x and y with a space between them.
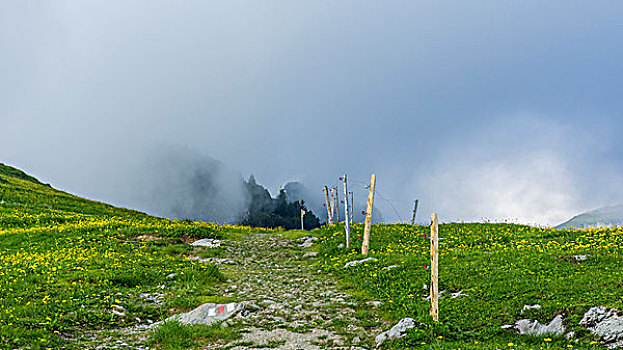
pixel 69 265
pixel 499 267
pixel 7 171
pixel 607 216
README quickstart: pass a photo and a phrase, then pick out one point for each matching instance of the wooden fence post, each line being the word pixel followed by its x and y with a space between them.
pixel 366 230
pixel 414 212
pixel 434 268
pixel 329 206
pixel 346 221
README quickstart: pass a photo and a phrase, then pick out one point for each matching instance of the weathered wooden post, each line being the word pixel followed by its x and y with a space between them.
pixel 352 207
pixel 414 212
pixel 434 268
pixel 329 206
pixel 336 203
pixel 346 221
pixel 366 230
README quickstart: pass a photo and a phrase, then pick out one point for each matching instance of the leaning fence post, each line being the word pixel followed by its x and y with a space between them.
pixel 366 230
pixel 434 268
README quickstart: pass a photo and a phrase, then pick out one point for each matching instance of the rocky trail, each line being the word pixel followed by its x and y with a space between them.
pixel 288 302
pixel 278 298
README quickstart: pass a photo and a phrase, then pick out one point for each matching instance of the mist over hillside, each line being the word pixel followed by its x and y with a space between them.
pixel 602 217
pixel 183 183
pixel 180 182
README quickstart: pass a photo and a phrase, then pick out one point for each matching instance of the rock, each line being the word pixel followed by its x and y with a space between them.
pixel 264 338
pixel 118 310
pixel 207 242
pixel 357 262
pixel 397 331
pixel 606 324
pixel 457 294
pixel 341 245
pixel 118 313
pixel 528 307
pixel 200 259
pixel 208 313
pixel 171 275
pixel 374 303
pixel 310 255
pixel 392 267
pixel 579 258
pixel 528 327
pixel 440 295
pixel 307 241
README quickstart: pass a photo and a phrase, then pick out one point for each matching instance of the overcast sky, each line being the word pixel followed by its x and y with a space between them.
pixel 484 110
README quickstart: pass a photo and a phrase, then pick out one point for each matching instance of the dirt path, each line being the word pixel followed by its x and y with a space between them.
pixel 293 304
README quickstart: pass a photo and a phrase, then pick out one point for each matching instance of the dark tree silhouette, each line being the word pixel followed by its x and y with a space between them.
pixel 266 211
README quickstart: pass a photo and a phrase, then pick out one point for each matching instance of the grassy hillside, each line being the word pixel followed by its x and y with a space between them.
pixel 67 263
pixel 607 216
pixel 499 267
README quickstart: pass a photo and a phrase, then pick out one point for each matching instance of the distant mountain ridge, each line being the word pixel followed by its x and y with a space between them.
pixel 602 217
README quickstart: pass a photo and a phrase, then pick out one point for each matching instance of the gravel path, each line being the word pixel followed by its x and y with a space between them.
pixel 291 304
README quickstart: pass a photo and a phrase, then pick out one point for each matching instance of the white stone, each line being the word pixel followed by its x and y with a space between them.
pixel 207 242
pixel 536 328
pixel 357 262
pixel 310 255
pixel 374 303
pixel 606 324
pixel 457 294
pixel 307 241
pixel 529 307
pixel 397 331
pixel 208 313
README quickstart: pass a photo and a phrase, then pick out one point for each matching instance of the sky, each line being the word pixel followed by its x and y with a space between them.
pixel 482 110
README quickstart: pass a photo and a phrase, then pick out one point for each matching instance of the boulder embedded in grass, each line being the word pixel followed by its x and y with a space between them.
pixel 606 324
pixel 357 262
pixel 536 328
pixel 207 242
pixel 397 331
pixel 208 313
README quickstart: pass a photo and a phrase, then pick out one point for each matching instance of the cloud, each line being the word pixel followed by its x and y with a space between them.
pixel 522 168
pixel 534 188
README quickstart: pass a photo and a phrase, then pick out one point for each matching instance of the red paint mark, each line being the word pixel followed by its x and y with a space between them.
pixel 221 309
pixel 363 212
pixel 340 178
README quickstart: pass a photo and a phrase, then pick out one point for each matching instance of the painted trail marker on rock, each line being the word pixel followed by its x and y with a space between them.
pixel 434 268
pixel 208 313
